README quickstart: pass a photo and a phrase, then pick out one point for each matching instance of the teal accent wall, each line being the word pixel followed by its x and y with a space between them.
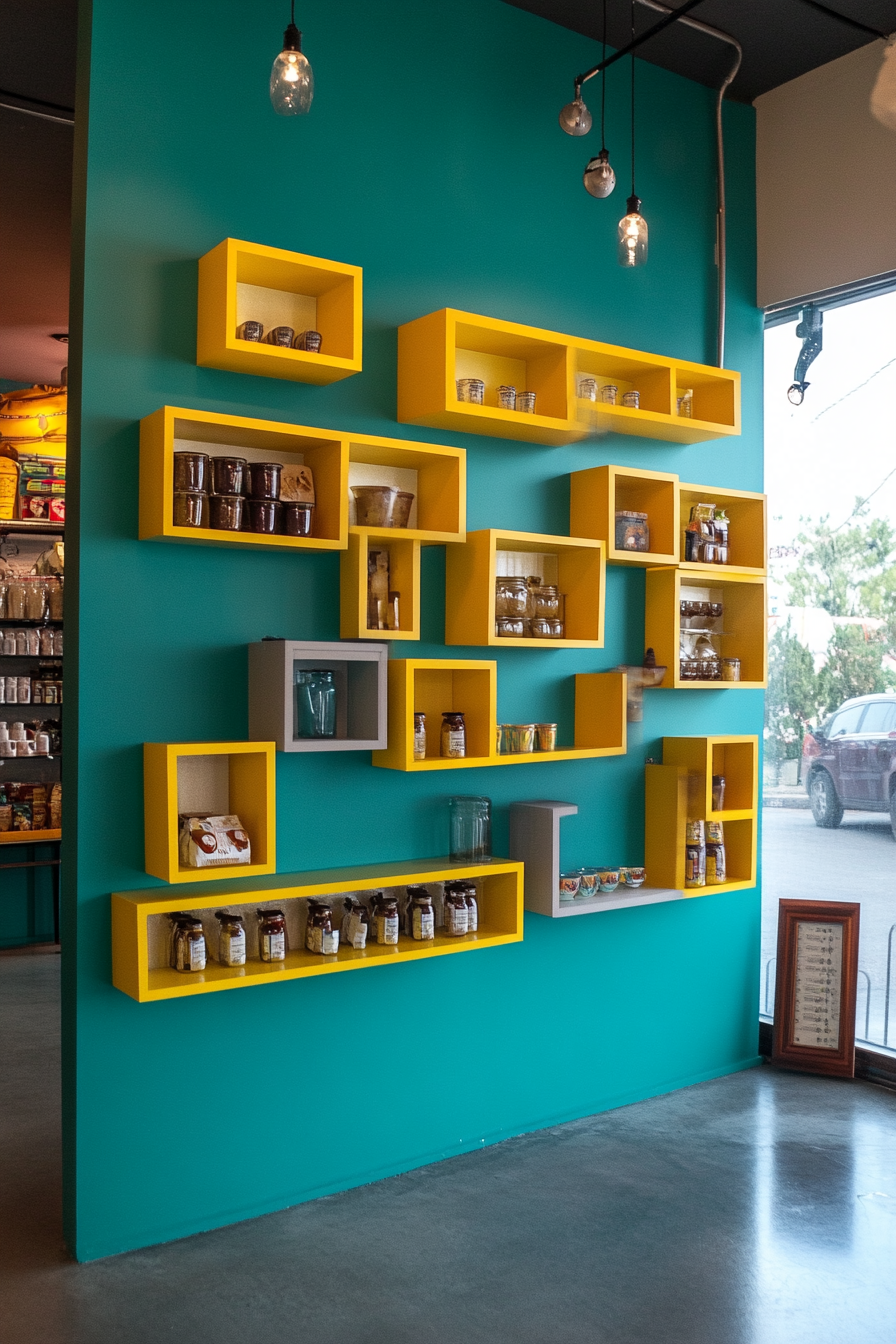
pixel 432 157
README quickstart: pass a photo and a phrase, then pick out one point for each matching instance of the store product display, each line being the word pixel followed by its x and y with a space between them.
pixel 208 841
pixel 507 397
pixel 31 597
pixel 585 883
pixel 632 530
pixel 706 535
pixel 30 642
pixel 383 601
pixel 700 632
pixel 285 336
pixel 469 829
pixel 32 453
pixel 382 505
pixel 528 608
pixel 705 862
pixel 36 737
pixel 315 702
pixel 233 494
pixel 30 806
pixel 39 686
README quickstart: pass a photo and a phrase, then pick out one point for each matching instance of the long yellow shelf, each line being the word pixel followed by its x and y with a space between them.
pixel 29 837
pixel 434 351
pixel 139 924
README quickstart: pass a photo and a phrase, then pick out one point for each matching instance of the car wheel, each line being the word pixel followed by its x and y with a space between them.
pixel 826 806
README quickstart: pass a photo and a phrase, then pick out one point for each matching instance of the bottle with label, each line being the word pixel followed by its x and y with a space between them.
pixel 716 864
pixel 468 891
pixel 411 893
pixel 695 855
pixel 231 939
pixel 387 921
pixel 457 917
pixel 175 919
pixel 356 926
pixel 9 482
pixel 323 938
pixel 454 735
pixel 419 737
pixel 190 952
pixel 271 935
pixel 423 919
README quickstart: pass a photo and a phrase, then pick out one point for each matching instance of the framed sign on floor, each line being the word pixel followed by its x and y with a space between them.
pixel 815 992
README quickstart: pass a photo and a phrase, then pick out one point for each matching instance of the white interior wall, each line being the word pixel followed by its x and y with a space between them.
pixel 826 181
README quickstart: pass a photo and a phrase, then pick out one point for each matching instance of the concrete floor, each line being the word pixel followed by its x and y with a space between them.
pixel 757 1209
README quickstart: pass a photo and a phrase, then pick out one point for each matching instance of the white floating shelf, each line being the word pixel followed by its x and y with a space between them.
pixel 359 673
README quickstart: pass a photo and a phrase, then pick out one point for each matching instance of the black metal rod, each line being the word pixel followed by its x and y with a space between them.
pixel 638 41
pixel 845 18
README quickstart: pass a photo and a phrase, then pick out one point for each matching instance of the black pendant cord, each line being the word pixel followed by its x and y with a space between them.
pixel 633 96
pixel 671 17
pixel 603 85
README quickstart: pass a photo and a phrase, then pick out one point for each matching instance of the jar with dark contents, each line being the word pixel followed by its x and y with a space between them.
pixel 190 952
pixel 695 855
pixel 716 862
pixel 387 921
pixel 423 918
pixel 231 939
pixel 412 892
pixel 419 736
pixel 454 735
pixel 457 917
pixel 355 924
pixel 271 935
pixel 324 939
pixel 175 919
pixel 468 891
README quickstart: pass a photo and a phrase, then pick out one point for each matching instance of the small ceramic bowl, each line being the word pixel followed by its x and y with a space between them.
pixel 589 882
pixel 632 877
pixel 608 878
pixel 569 886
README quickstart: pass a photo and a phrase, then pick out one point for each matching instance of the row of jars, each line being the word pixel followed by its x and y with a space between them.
pixel 506 396
pixel 283 336
pixel 39 688
pixel 382 918
pixel 705 860
pixel 231 494
pixel 31 642
pixel 528 608
pixel 31 597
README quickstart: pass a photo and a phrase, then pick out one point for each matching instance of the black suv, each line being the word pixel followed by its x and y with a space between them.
pixel 850 761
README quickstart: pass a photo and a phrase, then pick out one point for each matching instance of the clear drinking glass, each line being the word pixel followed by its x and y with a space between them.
pixel 470 823
pixel 315 703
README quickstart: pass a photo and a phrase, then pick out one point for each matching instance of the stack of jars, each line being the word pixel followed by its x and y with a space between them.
pixel 706 536
pixel 231 494
pixel 31 597
pixel 42 686
pixel 527 608
pixel 31 642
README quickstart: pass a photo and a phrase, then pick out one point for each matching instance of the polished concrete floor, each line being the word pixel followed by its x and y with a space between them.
pixel 757 1209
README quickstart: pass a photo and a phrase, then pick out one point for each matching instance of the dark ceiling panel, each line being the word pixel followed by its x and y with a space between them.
pixel 781 38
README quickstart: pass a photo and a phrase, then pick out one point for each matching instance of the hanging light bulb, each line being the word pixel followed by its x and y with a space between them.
pixel 632 235
pixel 598 177
pixel 292 79
pixel 575 119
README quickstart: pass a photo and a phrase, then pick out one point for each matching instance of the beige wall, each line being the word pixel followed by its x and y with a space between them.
pixel 826 181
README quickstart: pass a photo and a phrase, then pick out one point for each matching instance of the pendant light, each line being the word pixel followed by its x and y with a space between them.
pixel 632 232
pixel 292 79
pixel 575 119
pixel 598 177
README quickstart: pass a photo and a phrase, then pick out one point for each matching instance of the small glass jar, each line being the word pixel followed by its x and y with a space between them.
pixel 457 916
pixel 15 600
pixel 470 829
pixel 525 737
pixel 190 952
pixel 730 669
pixel 471 389
pixel 453 737
pixel 308 340
pixel 280 336
pixel 228 475
pixel 250 331
pixel 608 393
pixel 546 600
pixel 510 627
pixel 557 627
pixel 503 739
pixel 387 921
pixel 225 512
pixel 419 736
pixel 547 736
pixel 296 518
pixel 587 388
pixel 525 402
pixel 511 596
pixel 263 515
pixel 191 472
pixel 231 939
pixel 315 702
pixel 320 935
pixel 189 506
pixel 506 397
pixel 632 400
pixel 264 479
pixel 422 917
pixel 271 935
pixel 540 627
pixel 684 402
pixel 632 531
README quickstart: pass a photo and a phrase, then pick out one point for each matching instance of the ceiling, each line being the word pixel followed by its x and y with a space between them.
pixel 781 39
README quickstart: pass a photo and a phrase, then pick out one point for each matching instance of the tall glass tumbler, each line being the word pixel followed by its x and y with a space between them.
pixel 315 703
pixel 470 823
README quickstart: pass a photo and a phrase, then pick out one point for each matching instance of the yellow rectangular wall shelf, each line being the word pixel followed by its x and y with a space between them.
pixel 746 509
pixel 171 429
pixel 240 282
pixel 433 686
pixel 744 622
pixel 140 926
pixel 680 790
pixel 576 565
pixel 597 493
pixel 434 473
pixel 215 777
pixel 404 578
pixel 435 350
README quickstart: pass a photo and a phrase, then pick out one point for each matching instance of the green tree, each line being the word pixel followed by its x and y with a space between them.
pixel 853 666
pixel 847 571
pixel 793 699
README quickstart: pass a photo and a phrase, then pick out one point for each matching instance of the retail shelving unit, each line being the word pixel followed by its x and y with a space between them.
pixel 404 578
pixel 747 536
pixel 597 493
pixel 435 350
pixel 140 925
pixel 680 790
pixel 576 565
pixel 433 686
pixel 744 621
pixel 172 429
pixel 359 673
pixel 213 777
pixel 240 282
pixel 535 841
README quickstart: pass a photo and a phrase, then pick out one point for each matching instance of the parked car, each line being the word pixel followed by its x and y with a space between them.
pixel 849 762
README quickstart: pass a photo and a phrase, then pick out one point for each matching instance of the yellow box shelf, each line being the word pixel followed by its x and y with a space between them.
pixel 240 282
pixel 435 474
pixel 139 925
pixel 575 564
pixel 215 777
pixel 595 495
pixel 435 350
pixel 680 790
pixel 404 577
pixel 747 552
pixel 433 686
pixel 29 837
pixel 744 621
pixel 172 429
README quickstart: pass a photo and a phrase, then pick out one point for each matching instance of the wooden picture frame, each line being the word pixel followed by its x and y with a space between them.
pixel 815 992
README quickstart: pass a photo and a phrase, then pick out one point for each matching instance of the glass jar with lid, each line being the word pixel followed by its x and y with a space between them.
pixel 511 595
pixel 457 919
pixel 422 916
pixel 470 828
pixel 322 937
pixel 271 935
pixel 387 921
pixel 546 600
pixel 190 951
pixel 454 735
pixel 231 938
pixel 315 702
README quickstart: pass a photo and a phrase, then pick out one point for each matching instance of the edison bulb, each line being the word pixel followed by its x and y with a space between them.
pixel 575 119
pixel 292 79
pixel 598 177
pixel 632 235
